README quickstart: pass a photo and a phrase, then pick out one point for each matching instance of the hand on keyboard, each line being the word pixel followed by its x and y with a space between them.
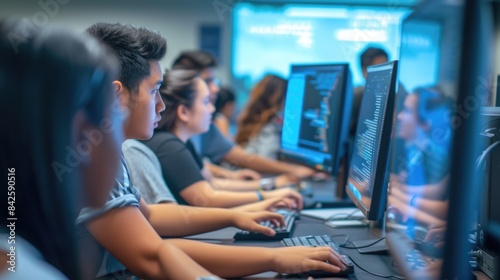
pixel 284 193
pixel 319 242
pixel 250 221
pixel 294 260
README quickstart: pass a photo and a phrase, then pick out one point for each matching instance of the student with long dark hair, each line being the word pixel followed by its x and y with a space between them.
pixel 60 145
pixel 261 122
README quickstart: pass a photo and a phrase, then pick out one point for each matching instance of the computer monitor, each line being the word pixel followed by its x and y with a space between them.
pixel 316 115
pixel 367 181
pixel 435 141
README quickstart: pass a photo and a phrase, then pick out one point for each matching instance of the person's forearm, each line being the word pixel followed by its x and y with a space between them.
pixel 178 265
pixel 235 185
pixel 255 206
pixel 239 157
pixel 425 218
pixel 218 171
pixel 177 220
pixel 203 195
pixel 438 209
pixel 228 261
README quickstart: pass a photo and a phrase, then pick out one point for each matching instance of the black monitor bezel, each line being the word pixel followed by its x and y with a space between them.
pixel 377 206
pixel 337 121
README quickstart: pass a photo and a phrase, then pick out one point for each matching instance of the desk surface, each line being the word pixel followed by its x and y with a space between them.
pixel 379 264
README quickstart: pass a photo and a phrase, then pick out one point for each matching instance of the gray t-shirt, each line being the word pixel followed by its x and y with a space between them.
pixel 212 144
pixel 145 172
pixel 123 194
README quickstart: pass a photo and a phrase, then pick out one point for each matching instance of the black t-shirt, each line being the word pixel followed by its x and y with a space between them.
pixel 181 166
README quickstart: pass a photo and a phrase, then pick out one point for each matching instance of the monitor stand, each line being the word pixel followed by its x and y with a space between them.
pixel 373 246
pixel 377 247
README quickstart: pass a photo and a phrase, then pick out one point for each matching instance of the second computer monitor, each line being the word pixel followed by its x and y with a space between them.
pixel 316 115
pixel 367 182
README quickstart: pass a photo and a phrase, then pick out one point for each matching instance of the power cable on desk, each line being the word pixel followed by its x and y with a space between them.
pixel 345 241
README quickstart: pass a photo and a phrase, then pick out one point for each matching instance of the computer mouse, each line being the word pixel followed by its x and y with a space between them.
pixel 309 203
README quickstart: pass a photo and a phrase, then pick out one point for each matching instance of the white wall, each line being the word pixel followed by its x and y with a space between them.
pixel 177 20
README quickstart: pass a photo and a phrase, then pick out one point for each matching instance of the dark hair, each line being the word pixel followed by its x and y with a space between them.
pixel 194 60
pixel 179 88
pixel 369 54
pixel 44 82
pixel 134 47
pixel 266 99
pixel 224 96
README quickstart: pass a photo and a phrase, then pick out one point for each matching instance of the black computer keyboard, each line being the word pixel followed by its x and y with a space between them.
pixel 321 240
pixel 281 232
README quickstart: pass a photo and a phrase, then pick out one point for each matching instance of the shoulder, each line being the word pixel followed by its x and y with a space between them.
pixel 134 147
pixel 122 194
pixel 160 140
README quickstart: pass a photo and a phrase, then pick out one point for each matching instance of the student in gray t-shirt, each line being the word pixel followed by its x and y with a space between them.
pixel 145 172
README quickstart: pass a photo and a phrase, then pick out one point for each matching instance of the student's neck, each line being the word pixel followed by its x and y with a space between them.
pixel 181 134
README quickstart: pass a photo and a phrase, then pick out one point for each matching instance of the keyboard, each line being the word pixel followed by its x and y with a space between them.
pixel 322 240
pixel 281 232
pixel 415 259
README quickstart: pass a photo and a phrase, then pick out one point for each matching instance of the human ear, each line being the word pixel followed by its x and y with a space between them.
pixel 183 113
pixel 123 96
pixel 122 93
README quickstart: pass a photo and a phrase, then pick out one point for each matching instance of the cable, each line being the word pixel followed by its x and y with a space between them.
pixel 345 241
pixel 375 274
pixel 482 158
pixel 364 246
pixel 347 216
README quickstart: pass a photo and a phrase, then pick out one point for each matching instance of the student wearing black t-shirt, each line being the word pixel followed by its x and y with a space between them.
pixel 188 113
pixel 212 144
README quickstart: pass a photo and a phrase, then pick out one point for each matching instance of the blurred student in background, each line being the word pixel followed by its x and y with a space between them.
pixel 370 56
pixel 60 144
pixel 419 186
pixel 213 145
pixel 261 121
pixel 224 111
